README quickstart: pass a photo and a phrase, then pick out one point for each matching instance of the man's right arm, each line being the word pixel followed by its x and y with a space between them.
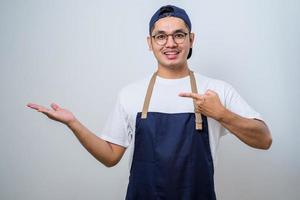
pixel 107 153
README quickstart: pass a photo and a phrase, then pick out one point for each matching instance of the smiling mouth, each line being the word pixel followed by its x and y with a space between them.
pixel 171 53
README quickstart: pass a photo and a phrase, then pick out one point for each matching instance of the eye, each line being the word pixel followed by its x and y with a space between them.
pixel 160 37
pixel 179 35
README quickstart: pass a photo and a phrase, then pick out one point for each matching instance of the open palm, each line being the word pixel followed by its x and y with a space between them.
pixel 56 113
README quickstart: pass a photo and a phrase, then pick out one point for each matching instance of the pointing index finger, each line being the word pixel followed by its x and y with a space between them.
pixel 189 95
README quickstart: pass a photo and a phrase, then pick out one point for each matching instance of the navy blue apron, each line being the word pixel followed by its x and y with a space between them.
pixel 172 158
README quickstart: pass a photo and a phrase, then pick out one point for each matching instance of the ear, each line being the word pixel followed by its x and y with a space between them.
pixel 192 38
pixel 149 43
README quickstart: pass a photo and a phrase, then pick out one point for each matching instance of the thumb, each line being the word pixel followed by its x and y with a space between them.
pixel 55 106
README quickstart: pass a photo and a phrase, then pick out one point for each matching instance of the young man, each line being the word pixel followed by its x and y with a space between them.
pixel 173 119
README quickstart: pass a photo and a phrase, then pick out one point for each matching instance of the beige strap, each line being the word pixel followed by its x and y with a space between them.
pixel 148 96
pixel 198 118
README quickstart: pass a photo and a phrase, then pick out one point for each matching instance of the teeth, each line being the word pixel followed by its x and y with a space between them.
pixel 171 53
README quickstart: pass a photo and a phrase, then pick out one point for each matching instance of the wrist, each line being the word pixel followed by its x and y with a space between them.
pixel 222 115
pixel 71 123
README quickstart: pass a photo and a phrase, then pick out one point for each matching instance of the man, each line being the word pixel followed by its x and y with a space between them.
pixel 174 120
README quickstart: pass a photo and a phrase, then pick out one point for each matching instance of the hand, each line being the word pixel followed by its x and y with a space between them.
pixel 208 104
pixel 57 113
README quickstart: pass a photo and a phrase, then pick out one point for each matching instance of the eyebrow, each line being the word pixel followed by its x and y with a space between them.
pixel 163 32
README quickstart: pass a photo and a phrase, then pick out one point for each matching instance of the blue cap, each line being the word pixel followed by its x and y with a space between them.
pixel 171 11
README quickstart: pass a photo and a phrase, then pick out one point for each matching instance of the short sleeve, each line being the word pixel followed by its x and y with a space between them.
pixel 235 103
pixel 117 128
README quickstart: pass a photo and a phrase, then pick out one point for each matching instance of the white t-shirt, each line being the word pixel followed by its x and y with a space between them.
pixel 120 126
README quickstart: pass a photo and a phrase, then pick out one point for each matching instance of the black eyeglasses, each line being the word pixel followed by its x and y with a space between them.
pixel 162 38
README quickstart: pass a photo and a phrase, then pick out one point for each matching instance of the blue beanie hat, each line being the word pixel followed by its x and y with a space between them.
pixel 171 11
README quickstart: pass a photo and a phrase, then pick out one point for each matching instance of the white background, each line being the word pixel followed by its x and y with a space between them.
pixel 80 53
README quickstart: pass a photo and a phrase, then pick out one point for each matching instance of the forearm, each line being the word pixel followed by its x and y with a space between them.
pixel 99 148
pixel 252 132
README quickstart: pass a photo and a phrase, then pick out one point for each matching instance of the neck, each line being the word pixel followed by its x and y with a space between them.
pixel 173 73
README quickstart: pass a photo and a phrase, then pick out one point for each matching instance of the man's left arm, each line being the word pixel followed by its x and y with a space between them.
pixel 253 132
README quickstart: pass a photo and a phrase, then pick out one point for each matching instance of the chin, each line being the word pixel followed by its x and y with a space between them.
pixel 172 65
pixel 177 63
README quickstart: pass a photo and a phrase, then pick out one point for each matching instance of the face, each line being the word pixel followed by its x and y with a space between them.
pixel 171 54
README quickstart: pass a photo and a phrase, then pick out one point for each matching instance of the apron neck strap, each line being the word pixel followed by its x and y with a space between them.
pixel 198 118
pixel 148 95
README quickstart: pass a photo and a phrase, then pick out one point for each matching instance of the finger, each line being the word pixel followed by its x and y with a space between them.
pixel 43 110
pixel 199 102
pixel 189 95
pixel 55 106
pixel 198 109
pixel 39 108
pixel 33 106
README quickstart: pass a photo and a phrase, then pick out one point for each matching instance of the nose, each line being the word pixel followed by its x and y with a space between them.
pixel 170 41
